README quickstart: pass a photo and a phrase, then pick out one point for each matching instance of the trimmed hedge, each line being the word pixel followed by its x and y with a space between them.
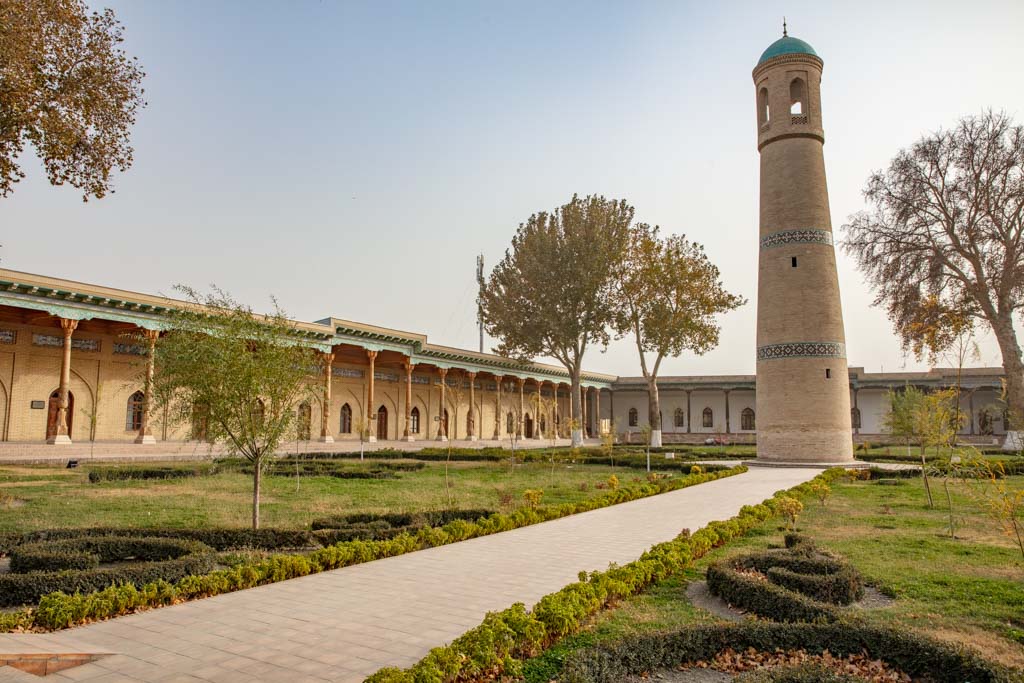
pixel 803 584
pixel 216 538
pixel 100 474
pixel 496 646
pixel 163 559
pixel 61 610
pixel 918 656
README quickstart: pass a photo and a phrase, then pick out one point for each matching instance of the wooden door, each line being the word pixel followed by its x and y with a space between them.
pixel 382 424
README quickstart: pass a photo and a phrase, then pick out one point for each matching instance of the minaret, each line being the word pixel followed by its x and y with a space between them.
pixel 803 394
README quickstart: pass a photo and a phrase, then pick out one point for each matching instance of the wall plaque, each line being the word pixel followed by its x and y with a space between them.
pixel 38 405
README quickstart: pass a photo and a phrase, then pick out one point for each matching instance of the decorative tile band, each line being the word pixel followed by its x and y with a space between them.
pixel 58 342
pixel 801 350
pixel 807 236
pixel 8 337
pixel 129 349
pixel 347 372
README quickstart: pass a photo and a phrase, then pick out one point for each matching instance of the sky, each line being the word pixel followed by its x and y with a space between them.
pixel 352 159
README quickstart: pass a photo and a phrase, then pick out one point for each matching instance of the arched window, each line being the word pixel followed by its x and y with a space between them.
pixel 543 425
pixel 634 417
pixel 346 419
pixel 679 419
pixel 855 417
pixel 133 416
pixel 762 107
pixel 797 97
pixel 709 418
pixel 414 421
pixel 303 425
pixel 444 424
pixel 747 419
pixel 510 423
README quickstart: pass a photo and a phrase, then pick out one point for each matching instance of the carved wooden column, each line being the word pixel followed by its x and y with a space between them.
pixel 370 412
pixel 62 436
pixel 689 415
pixel 536 418
pixel 522 410
pixel 497 408
pixel 407 433
pixel 727 411
pixel 145 431
pixel 584 426
pixel 442 433
pixel 325 409
pixel 556 422
pixel 471 417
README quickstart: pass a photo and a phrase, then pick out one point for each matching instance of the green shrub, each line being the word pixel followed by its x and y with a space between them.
pixel 100 474
pixel 22 589
pixel 216 538
pixel 918 656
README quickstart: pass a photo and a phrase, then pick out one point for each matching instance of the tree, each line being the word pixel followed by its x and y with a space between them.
pixel 947 225
pixel 247 374
pixel 667 294
pixel 549 295
pixel 68 90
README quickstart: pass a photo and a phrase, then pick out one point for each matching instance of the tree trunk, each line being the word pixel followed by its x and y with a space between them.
pixel 577 409
pixel 654 411
pixel 1014 369
pixel 257 473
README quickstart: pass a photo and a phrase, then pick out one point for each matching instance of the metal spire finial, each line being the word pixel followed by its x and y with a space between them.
pixel 784 32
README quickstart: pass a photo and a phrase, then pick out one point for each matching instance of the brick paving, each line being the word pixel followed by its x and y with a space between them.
pixel 343 625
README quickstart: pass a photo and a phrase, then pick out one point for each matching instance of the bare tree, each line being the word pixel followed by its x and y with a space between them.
pixel 946 227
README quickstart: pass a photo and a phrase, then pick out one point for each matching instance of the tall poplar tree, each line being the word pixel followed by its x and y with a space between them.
pixel 667 295
pixel 551 293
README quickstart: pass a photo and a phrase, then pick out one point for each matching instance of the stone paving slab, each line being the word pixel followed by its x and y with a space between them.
pixel 343 625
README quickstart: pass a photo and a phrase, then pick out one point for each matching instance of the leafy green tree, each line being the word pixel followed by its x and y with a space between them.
pixel 67 89
pixel 667 295
pixel 946 223
pixel 549 295
pixel 245 373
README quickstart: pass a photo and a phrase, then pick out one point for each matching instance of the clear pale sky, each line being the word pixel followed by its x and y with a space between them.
pixel 352 159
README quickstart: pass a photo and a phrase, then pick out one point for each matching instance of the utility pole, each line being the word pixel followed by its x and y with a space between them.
pixel 480 298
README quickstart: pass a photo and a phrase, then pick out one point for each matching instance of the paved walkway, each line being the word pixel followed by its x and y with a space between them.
pixel 345 624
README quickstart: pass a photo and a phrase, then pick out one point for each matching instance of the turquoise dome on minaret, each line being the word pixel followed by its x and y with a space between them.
pixel 787 45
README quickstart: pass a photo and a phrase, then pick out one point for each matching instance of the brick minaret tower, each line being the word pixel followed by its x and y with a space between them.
pixel 803 395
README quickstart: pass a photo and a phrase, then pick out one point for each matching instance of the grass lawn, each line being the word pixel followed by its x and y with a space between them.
pixel 968 590
pixel 42 497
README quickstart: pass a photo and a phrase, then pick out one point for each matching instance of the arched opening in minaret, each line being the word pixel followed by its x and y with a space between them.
pixel 762 107
pixel 797 97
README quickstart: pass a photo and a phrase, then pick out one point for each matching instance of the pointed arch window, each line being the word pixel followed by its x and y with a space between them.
pixel 259 411
pixel 346 419
pixel 679 418
pixel 133 416
pixel 634 417
pixel 747 421
pixel 709 418
pixel 510 423
pixel 798 98
pixel 414 421
pixel 855 417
